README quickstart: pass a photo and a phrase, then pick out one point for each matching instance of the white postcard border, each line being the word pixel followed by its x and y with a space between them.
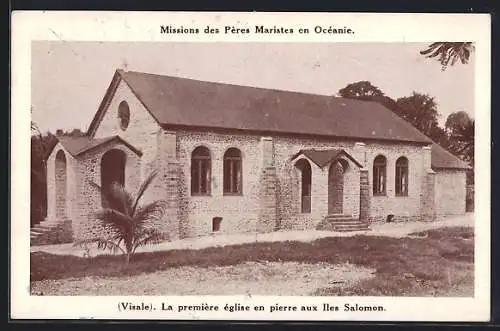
pixel 145 26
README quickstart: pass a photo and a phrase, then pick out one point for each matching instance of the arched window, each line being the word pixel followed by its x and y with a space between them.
pixel 305 185
pixel 232 172
pixel 123 115
pixel 379 175
pixel 402 176
pixel 200 171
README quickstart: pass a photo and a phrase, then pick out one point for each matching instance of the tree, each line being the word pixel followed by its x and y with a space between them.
pixel 449 52
pixel 128 222
pixel 40 148
pixel 420 110
pixel 363 90
pixel 460 129
pixel 439 135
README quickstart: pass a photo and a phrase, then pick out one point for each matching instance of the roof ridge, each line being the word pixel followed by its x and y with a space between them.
pixel 331 96
pixel 254 108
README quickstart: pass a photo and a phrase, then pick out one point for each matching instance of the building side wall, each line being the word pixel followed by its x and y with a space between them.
pixel 407 207
pixel 450 192
pixel 402 207
pixel 240 213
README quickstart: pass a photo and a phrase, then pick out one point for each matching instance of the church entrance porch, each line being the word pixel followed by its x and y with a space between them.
pixel 74 167
pixel 337 186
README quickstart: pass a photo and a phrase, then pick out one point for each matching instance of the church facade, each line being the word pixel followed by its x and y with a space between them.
pixel 244 159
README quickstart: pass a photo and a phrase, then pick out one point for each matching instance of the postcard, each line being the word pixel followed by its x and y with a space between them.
pixel 250 166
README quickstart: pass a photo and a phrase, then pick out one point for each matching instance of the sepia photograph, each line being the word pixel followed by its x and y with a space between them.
pixel 273 169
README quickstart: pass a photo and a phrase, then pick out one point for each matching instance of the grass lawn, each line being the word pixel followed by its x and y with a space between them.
pixel 436 262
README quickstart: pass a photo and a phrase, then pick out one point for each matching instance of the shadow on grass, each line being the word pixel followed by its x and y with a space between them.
pixel 407 265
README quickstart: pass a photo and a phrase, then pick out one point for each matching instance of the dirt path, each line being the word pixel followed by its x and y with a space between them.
pixel 396 230
pixel 250 278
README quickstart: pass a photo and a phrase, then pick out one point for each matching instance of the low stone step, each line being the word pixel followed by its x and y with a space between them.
pixel 338 216
pixel 43 228
pixel 358 226
pixel 37 233
pixel 344 222
pixel 351 230
pixel 51 232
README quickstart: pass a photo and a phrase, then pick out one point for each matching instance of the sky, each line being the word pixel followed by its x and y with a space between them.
pixel 69 79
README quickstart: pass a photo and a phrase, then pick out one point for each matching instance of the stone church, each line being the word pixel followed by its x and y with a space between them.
pixel 245 159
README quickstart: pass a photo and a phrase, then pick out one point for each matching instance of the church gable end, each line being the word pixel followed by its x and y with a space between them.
pixel 123 114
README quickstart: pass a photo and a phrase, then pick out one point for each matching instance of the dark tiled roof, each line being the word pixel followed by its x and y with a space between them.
pixel 324 157
pixel 79 145
pixel 193 103
pixel 442 159
pixel 187 102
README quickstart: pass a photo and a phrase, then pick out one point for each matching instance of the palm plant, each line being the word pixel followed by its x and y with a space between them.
pixel 129 224
pixel 449 52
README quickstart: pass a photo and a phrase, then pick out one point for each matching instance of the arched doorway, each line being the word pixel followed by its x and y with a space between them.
pixel 61 184
pixel 336 187
pixel 305 185
pixel 112 170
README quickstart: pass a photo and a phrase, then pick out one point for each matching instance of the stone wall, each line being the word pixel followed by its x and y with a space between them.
pixel 189 216
pixel 402 207
pixel 268 216
pixel 364 196
pixel 241 213
pixel 450 193
pixel 85 224
pixel 407 207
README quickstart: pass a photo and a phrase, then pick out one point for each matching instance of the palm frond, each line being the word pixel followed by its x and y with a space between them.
pixel 120 198
pixel 116 222
pixel 115 197
pixel 143 188
pixel 150 237
pixel 449 52
pixel 431 48
pixel 126 220
pixel 152 211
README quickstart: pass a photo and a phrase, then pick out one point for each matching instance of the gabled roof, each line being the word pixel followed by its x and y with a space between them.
pixel 80 145
pixel 323 157
pixel 175 101
pixel 442 159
